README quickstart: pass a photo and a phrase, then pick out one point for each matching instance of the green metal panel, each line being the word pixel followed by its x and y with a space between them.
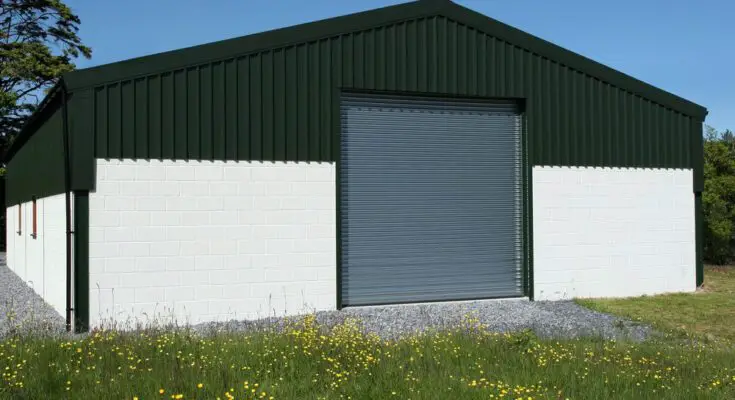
pixel 290 103
pixel 697 159
pixel 101 100
pixel 140 101
pixel 325 102
pixel 127 118
pixel 255 116
pixel 167 117
pixel 230 109
pixel 313 114
pixel 81 129
pixel 242 78
pixel 301 129
pixel 199 113
pixel 182 130
pixel 113 123
pixel 697 154
pixel 37 169
pixel 699 245
pixel 81 261
pixel 527 211
pixel 218 112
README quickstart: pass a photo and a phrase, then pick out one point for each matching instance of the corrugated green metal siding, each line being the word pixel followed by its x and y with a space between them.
pixel 38 167
pixel 279 104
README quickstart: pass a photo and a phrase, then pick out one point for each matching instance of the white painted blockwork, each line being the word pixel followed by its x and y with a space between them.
pixel 211 241
pixel 40 261
pixel 612 232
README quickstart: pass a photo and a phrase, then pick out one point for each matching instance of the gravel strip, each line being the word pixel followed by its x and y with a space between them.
pixel 558 319
pixel 561 319
pixel 24 311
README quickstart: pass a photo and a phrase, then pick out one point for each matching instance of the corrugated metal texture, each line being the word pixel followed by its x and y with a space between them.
pixel 37 169
pixel 280 104
pixel 431 199
pixel 274 106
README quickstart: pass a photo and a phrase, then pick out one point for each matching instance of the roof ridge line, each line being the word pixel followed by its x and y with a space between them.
pixel 316 30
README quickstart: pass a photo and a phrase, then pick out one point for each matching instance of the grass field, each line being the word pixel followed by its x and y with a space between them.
pixel 304 362
pixel 710 312
pixel 307 361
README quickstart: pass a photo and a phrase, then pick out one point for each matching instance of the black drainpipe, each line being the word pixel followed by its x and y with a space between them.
pixel 67 194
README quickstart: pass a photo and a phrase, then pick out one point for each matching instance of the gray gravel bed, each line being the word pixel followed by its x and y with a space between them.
pixel 558 319
pixel 24 311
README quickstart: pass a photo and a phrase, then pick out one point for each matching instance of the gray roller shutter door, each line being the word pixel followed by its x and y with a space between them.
pixel 430 199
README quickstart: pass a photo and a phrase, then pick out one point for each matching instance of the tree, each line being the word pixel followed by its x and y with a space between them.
pixel 38 43
pixel 718 199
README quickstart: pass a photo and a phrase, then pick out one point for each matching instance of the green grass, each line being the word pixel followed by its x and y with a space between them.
pixel 709 313
pixel 308 362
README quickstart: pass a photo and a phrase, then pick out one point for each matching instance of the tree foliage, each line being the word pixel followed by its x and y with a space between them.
pixel 718 199
pixel 38 43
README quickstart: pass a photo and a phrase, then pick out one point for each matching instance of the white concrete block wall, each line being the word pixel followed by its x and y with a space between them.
pixel 211 241
pixel 40 261
pixel 15 246
pixel 612 232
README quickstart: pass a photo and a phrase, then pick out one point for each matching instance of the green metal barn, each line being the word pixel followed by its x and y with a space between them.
pixel 413 153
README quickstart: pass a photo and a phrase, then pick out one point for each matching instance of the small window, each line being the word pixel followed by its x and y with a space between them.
pixel 35 218
pixel 20 217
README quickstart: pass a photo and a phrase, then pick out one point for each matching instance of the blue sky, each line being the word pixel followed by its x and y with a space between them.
pixel 684 47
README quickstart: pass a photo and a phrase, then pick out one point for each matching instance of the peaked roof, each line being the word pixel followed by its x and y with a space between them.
pixel 225 49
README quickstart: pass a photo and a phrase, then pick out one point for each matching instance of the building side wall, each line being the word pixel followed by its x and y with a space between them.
pixel 210 241
pixel 40 261
pixel 612 232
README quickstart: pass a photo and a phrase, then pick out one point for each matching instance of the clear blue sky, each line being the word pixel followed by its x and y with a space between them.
pixel 686 47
